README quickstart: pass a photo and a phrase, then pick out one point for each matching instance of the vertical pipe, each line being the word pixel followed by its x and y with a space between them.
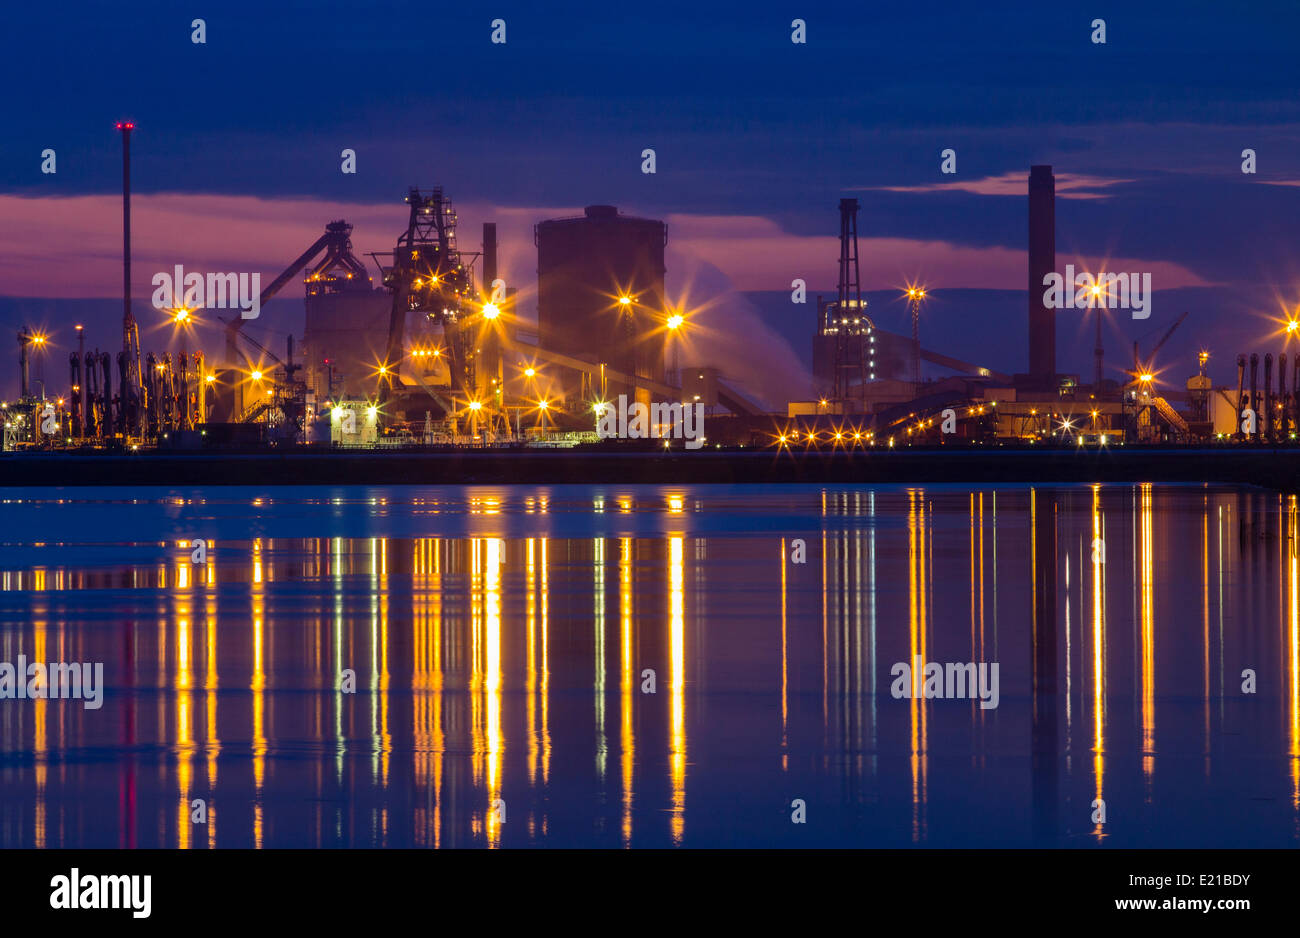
pixel 184 410
pixel 92 420
pixel 1254 391
pixel 92 382
pixel 201 381
pixel 1241 383
pixel 1295 390
pixel 1284 407
pixel 148 375
pixel 1267 416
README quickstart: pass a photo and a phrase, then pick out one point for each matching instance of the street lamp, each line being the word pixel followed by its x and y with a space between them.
pixel 914 297
pixel 675 323
pixel 543 412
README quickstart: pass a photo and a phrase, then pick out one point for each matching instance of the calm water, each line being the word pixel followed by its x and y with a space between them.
pixel 499 636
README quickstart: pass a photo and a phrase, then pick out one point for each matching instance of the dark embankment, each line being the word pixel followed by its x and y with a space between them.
pixel 1272 468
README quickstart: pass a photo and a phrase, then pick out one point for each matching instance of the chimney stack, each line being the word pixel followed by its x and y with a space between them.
pixel 489 256
pixel 1042 261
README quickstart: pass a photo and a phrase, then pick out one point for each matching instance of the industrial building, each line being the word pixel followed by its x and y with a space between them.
pixel 601 298
pixel 346 326
pixel 893 406
pixel 437 353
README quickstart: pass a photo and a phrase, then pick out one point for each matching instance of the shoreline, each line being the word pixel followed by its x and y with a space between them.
pixel 1268 467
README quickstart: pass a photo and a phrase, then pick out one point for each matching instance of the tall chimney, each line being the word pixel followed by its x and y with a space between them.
pixel 489 256
pixel 1042 261
pixel 126 127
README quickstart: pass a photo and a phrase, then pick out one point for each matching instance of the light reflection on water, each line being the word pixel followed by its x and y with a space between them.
pixel 501 642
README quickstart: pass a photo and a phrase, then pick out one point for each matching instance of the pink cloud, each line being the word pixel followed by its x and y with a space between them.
pixel 242 233
pixel 211 233
pixel 757 255
pixel 1068 186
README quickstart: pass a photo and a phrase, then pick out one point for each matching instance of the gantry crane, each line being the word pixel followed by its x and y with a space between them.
pixel 1145 399
pixel 1141 368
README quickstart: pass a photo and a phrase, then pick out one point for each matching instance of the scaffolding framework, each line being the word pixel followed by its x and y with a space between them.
pixel 845 322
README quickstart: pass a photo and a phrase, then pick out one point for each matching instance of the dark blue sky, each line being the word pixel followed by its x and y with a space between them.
pixel 744 122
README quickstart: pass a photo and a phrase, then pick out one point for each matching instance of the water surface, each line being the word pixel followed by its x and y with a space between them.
pixel 501 641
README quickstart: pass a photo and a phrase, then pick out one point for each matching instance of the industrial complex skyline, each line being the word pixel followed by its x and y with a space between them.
pixel 754 148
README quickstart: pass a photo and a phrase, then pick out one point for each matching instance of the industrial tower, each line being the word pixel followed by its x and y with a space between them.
pixel 1042 261
pixel 132 395
pixel 846 320
pixel 428 274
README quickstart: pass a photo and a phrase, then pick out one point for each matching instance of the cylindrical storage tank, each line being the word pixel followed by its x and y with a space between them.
pixel 600 294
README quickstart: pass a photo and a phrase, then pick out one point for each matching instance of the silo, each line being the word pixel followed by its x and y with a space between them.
pixel 600 297
pixel 344 341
